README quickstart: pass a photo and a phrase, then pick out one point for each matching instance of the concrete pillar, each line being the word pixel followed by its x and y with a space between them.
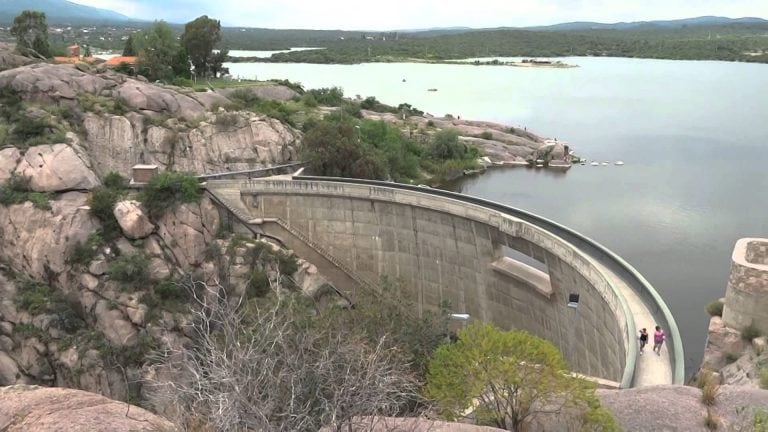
pixel 746 297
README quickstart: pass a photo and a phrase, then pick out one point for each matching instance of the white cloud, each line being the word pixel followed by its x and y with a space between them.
pixel 400 14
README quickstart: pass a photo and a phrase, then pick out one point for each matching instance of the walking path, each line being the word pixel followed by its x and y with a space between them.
pixel 651 369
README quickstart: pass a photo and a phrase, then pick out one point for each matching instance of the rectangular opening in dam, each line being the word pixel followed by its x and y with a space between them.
pixel 523 258
pixel 524 268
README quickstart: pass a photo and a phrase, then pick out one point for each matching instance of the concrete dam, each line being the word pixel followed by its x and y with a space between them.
pixel 491 261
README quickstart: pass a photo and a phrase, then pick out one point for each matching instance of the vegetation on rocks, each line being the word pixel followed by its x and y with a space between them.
pixel 31 31
pixel 16 190
pixel 20 128
pixel 169 189
pixel 378 150
pixel 715 308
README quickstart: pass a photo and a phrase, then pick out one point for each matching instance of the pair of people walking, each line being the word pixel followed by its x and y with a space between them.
pixel 658 340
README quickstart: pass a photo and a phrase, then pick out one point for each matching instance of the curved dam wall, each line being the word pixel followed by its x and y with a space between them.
pixel 446 250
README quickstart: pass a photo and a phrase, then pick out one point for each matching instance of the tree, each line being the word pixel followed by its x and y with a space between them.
pixel 87 52
pixel 507 378
pixel 445 145
pixel 31 31
pixel 128 49
pixel 157 47
pixel 217 62
pixel 199 38
pixel 334 149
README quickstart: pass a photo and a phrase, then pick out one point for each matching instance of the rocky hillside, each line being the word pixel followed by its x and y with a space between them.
pixel 81 306
pixel 112 122
pixel 499 143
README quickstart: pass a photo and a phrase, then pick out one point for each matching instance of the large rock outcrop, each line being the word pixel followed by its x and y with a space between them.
pixel 116 143
pixel 32 408
pixel 54 168
pixel 36 242
pixel 53 83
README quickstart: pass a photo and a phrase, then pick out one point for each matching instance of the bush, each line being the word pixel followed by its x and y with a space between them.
pixel 258 284
pixel 170 290
pixel 130 269
pixel 32 296
pixel 333 96
pixel 288 264
pixel 114 180
pixel 486 135
pixel 227 120
pixel 102 203
pixel 83 253
pixel 731 357
pixel 17 191
pixel 715 308
pixel 750 332
pixel 168 190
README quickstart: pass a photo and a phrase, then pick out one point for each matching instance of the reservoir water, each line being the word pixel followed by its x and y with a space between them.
pixel 693 136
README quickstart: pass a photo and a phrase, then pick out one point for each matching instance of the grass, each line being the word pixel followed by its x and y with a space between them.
pixel 715 308
pixel 763 376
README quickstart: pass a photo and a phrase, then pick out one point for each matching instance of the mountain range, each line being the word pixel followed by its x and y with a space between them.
pixel 60 12
pixel 67 12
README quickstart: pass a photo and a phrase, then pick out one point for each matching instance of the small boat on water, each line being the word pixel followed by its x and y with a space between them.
pixel 604 163
pixel 595 163
pixel 619 163
pixel 432 89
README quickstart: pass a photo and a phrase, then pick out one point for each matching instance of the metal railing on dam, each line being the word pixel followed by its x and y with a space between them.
pixel 598 265
pixel 599 252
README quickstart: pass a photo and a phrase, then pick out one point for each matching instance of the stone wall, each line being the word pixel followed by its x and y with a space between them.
pixel 444 250
pixel 746 296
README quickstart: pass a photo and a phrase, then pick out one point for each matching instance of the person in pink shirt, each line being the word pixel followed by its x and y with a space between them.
pixel 658 340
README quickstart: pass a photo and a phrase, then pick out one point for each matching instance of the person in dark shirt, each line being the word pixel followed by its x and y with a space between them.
pixel 643 339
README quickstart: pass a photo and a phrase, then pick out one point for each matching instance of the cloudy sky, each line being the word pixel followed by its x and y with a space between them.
pixel 409 14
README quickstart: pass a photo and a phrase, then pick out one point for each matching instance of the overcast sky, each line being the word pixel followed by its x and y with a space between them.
pixel 411 14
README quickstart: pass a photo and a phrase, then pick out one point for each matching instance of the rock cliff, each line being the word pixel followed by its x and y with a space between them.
pixel 117 122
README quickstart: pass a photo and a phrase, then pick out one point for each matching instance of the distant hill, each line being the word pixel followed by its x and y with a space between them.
pixel 60 12
pixel 687 22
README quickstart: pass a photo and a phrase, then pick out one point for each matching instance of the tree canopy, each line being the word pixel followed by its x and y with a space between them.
pixel 199 38
pixel 31 31
pixel 507 378
pixel 128 49
pixel 159 53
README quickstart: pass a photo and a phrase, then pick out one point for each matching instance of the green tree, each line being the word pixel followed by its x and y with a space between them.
pixel 217 62
pixel 334 149
pixel 199 38
pixel 31 31
pixel 128 49
pixel 507 378
pixel 87 52
pixel 180 64
pixel 157 46
pixel 445 145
